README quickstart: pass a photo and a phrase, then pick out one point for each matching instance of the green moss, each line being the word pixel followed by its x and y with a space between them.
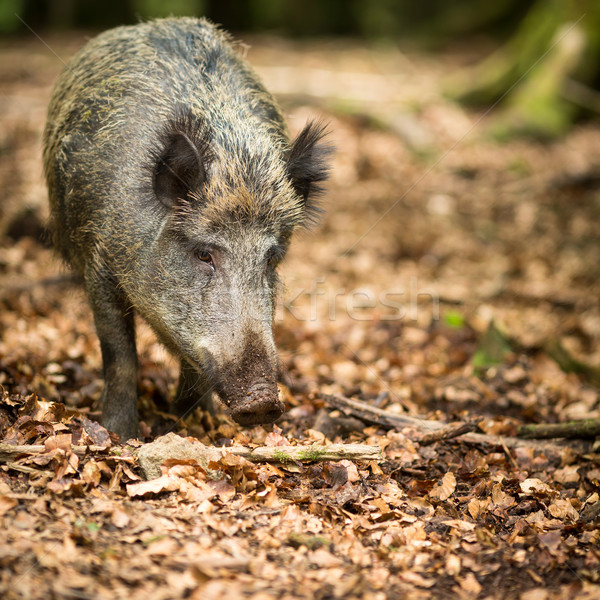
pixel 282 456
pixel 311 454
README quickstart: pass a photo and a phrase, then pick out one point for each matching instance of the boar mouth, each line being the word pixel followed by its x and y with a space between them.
pixel 260 406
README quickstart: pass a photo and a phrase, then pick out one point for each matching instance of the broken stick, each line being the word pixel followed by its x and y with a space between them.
pixel 311 453
pixel 587 428
pixel 451 431
pixel 389 420
pixel 314 452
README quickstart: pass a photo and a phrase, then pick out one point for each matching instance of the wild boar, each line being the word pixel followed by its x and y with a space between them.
pixel 174 191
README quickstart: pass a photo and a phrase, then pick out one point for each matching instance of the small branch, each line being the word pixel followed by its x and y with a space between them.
pixel 451 431
pixel 174 447
pixel 307 453
pixel 151 456
pixel 390 420
pixel 25 469
pixel 378 416
pixel 587 428
pixel 9 452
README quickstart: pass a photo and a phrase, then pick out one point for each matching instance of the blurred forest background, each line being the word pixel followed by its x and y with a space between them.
pixel 378 18
pixel 551 49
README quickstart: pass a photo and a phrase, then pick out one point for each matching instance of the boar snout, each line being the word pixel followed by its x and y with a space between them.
pixel 260 406
pixel 248 386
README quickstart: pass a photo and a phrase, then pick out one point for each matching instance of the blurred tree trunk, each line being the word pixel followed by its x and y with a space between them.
pixel 538 77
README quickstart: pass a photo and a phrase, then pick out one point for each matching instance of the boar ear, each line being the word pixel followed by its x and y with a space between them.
pixel 179 169
pixel 308 164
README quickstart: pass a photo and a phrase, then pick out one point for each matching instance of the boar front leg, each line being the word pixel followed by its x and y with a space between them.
pixel 193 391
pixel 113 317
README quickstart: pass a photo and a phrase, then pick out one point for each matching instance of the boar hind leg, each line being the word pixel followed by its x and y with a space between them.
pixel 193 391
pixel 115 328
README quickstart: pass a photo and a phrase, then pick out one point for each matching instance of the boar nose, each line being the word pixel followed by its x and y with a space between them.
pixel 261 406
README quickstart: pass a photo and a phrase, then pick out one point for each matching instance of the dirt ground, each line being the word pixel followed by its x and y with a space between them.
pixel 453 276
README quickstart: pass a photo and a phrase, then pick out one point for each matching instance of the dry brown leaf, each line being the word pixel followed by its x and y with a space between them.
pixel 470 584
pixel 163 547
pixel 119 518
pixel 453 565
pixel 500 498
pixel 566 475
pixel 91 473
pixel 160 485
pixel 417 579
pixel 6 504
pixel 564 510
pixel 478 507
pixel 274 438
pixel 445 488
pixel 351 471
pixel 533 485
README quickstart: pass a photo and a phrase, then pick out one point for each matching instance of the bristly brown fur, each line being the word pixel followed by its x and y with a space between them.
pixel 174 191
pixel 289 199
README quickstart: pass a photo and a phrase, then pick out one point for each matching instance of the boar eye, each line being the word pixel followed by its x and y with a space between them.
pixel 205 257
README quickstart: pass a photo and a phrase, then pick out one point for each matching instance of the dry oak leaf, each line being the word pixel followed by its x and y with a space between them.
pixel 445 488
pixel 477 507
pixel 166 483
pixel 6 504
pixel 562 509
pixel 533 485
pixel 162 547
pixel 119 518
pixel 500 498
pixel 470 584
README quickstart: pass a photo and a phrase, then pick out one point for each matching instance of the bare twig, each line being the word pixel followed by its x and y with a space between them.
pixel 307 453
pixel 587 428
pixel 25 469
pixel 391 420
pixel 451 431
pixel 311 453
pixel 9 452
pixel 378 416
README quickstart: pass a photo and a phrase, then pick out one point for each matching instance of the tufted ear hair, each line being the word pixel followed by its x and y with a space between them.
pixel 308 165
pixel 179 170
pixel 180 163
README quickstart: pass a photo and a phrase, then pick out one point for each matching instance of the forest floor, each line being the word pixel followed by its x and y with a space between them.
pixel 453 276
